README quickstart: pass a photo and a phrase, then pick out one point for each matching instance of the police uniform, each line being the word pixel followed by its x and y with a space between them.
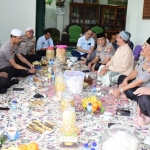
pixel 143 73
pixel 143 69
pixel 8 52
pixel 104 52
pixel 25 48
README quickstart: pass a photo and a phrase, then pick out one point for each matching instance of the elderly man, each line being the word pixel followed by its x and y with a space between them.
pixel 123 61
pixel 104 52
pixel 85 46
pixel 27 47
pixel 7 53
pixel 44 42
pixel 130 43
pixel 139 77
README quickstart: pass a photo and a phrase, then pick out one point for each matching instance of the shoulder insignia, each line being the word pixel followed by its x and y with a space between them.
pixel 109 49
pixel 11 51
pixel 144 66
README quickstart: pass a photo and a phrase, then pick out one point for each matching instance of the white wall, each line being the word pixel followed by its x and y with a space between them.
pixel 138 27
pixel 16 14
pixel 51 17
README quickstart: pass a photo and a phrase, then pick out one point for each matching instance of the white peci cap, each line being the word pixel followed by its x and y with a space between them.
pixel 29 28
pixel 16 32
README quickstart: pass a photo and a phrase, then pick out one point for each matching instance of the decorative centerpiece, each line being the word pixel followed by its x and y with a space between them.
pixel 96 104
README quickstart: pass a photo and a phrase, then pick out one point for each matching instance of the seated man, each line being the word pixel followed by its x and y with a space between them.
pixel 139 77
pixel 131 45
pixel 85 46
pixel 143 98
pixel 104 52
pixel 44 42
pixel 123 61
pixel 27 47
pixel 6 75
pixel 7 52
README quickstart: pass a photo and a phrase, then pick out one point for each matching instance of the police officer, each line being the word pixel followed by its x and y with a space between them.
pixel 7 53
pixel 139 77
pixel 44 42
pixel 27 47
pixel 104 52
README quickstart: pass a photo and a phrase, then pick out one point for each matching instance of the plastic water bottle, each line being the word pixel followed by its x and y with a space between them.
pixel 93 149
pixel 14 105
pixel 94 145
pixel 89 110
pixel 85 147
pixel 31 80
pixel 14 108
pixel 94 89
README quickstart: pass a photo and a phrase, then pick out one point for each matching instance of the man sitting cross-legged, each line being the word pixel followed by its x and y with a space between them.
pixel 7 54
pixel 85 46
pixel 122 62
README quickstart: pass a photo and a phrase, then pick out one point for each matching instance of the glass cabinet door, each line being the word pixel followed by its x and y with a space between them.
pixel 77 15
pixel 108 18
pixel 120 19
pixel 91 16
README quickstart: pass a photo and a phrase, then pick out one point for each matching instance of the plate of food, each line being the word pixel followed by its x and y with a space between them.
pixel 37 103
pixel 41 127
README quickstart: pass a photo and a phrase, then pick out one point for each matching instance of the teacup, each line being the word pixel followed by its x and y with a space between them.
pixel 11 132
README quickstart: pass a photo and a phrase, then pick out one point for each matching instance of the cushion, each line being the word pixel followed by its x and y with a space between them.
pixel 74 32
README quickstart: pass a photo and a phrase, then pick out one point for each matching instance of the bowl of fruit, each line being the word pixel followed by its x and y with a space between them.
pixel 97 106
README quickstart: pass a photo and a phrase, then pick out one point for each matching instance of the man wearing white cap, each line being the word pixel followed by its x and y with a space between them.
pixel 8 52
pixel 27 47
pixel 122 63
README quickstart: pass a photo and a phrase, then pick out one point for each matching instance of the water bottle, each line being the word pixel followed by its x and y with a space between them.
pixel 14 105
pixel 53 76
pixel 94 145
pixel 92 148
pixel 85 147
pixel 89 110
pixel 31 80
pixel 14 108
pixel 94 89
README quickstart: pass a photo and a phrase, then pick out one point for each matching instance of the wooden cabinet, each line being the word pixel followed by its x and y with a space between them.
pixel 84 14
pixel 113 19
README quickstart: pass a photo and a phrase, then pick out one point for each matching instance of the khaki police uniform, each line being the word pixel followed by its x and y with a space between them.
pixel 7 52
pixel 143 69
pixel 25 48
pixel 27 45
pixel 104 52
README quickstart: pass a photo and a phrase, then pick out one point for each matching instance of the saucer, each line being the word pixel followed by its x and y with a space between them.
pixel 16 137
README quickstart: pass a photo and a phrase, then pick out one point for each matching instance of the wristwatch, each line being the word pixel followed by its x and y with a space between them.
pixel 27 69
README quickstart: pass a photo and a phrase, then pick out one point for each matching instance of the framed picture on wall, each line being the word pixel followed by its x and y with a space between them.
pixel 146 9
